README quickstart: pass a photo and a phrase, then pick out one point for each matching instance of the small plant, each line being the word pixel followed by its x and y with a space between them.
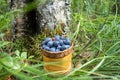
pixel 22 55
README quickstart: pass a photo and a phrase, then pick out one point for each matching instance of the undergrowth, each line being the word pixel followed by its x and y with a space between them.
pixel 95 31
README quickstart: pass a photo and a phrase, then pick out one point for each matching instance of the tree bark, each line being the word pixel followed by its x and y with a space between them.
pixel 54 13
pixel 49 15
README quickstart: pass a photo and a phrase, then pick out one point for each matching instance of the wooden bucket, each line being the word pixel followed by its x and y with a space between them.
pixel 58 62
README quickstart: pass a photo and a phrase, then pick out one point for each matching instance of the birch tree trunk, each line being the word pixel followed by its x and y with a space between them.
pixel 54 13
pixel 48 15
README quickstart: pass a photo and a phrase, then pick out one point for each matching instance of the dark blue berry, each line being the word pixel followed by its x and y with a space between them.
pixel 57 50
pixel 45 47
pixel 56 43
pixel 67 46
pixel 61 42
pixel 52 49
pixel 62 47
pixel 67 42
pixel 67 39
pixel 47 40
pixel 59 47
pixel 50 43
pixel 57 37
pixel 62 37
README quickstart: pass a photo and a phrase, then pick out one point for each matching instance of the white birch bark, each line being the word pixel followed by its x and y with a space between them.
pixel 54 13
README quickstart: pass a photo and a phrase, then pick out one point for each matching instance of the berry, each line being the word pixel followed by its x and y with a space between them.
pixel 57 37
pixel 45 47
pixel 67 42
pixel 50 43
pixel 62 47
pixel 47 40
pixel 53 39
pixel 56 43
pixel 62 37
pixel 61 42
pixel 57 50
pixel 67 46
pixel 52 49
pixel 58 47
pixel 67 39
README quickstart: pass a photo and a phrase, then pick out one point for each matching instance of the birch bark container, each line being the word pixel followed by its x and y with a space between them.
pixel 58 62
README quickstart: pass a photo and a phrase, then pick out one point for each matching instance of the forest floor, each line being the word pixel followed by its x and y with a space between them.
pixel 95 32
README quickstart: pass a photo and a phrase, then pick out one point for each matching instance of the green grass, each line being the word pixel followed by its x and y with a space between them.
pixel 95 29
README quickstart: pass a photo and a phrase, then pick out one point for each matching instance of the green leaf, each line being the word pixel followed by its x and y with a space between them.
pixel 17 53
pixel 31 57
pixel 24 55
pixel 3 43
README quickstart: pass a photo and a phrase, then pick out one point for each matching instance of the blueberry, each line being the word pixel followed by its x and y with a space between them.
pixel 57 37
pixel 67 39
pixel 45 47
pixel 67 46
pixel 57 50
pixel 64 41
pixel 50 43
pixel 58 47
pixel 61 42
pixel 56 43
pixel 47 40
pixel 67 42
pixel 62 48
pixel 62 37
pixel 52 49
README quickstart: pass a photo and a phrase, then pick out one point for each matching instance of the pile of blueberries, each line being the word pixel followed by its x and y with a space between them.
pixel 56 44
